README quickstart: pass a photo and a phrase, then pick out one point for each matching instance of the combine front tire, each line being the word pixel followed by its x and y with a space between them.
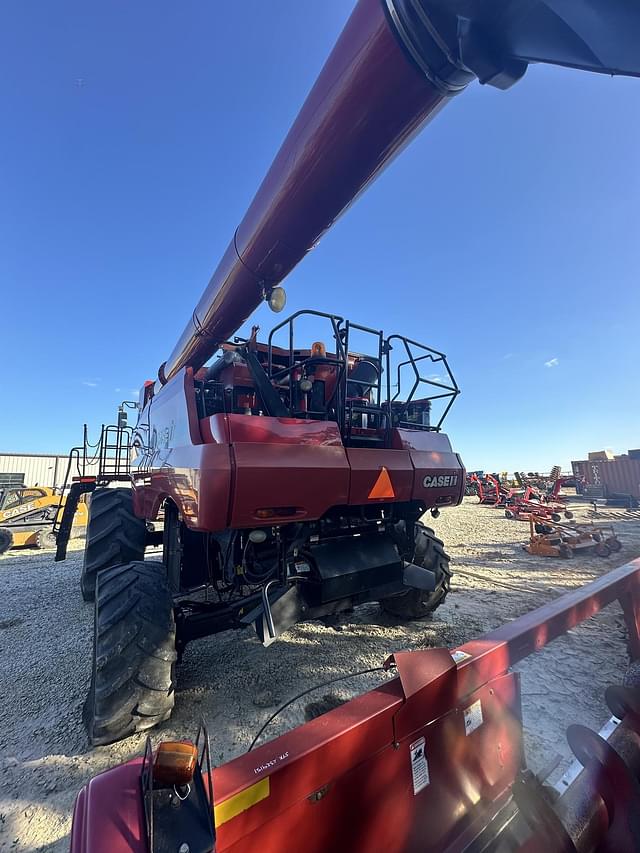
pixel 416 603
pixel 115 535
pixel 134 654
pixel 6 539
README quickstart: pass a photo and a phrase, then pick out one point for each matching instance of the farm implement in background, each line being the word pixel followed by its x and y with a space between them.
pixel 561 540
pixel 489 491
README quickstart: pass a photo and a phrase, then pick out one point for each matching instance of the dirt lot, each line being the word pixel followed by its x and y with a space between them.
pixel 234 683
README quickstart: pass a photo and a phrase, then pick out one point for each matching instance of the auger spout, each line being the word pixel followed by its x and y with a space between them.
pixel 396 63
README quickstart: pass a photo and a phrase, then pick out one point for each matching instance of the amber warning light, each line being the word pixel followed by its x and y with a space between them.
pixel 175 762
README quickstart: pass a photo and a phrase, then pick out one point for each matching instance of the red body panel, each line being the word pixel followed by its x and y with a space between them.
pixel 366 466
pixel 109 816
pixel 431 455
pixel 173 461
pixel 344 781
pixel 220 470
pixel 358 799
pixel 286 462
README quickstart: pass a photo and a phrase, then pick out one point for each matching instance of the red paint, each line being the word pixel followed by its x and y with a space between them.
pixel 221 469
pixel 109 816
pixel 312 479
pixel 365 467
pixel 369 804
pixel 256 430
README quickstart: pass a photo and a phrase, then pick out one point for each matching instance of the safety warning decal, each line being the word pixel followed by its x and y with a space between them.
pixel 419 766
pixel 383 487
pixel 472 717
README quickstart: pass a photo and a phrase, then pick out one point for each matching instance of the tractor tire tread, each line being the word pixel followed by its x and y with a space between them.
pixel 115 536
pixel 415 603
pixel 133 673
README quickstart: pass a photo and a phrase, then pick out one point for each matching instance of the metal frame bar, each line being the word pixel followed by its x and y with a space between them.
pixel 496 651
pixel 342 332
pixel 432 355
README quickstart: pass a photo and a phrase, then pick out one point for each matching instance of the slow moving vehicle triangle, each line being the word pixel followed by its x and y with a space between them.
pixel 383 487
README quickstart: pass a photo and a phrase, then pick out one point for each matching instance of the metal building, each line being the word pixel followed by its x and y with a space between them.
pixel 33 469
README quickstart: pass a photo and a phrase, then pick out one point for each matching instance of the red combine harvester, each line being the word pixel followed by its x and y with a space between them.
pixel 293 483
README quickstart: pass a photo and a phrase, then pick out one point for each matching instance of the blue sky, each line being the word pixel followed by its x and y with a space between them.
pixel 135 135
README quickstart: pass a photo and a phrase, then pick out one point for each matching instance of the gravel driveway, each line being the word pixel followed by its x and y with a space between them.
pixel 231 681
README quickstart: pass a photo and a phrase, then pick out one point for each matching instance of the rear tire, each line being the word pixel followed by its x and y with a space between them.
pixel 6 540
pixel 417 603
pixel 134 653
pixel 115 535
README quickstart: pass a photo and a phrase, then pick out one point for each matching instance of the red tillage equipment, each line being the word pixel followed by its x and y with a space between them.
pixel 524 509
pixel 489 490
pixel 430 761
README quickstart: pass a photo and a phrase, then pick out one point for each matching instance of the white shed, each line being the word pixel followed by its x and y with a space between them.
pixel 34 469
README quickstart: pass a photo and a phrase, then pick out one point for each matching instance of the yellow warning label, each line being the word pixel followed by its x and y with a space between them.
pixel 240 802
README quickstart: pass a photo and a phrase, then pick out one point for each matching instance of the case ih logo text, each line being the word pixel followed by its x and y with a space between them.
pixel 441 482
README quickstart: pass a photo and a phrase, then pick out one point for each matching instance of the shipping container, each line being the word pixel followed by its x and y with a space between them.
pixel 617 476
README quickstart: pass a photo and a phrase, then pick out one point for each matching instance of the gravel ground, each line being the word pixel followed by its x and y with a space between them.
pixel 231 681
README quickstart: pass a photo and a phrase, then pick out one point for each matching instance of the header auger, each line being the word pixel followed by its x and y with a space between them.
pixel 293 477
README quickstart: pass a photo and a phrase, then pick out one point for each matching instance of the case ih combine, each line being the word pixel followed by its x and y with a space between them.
pixel 293 479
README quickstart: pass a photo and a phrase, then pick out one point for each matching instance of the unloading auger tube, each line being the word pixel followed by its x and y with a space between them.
pixel 396 63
